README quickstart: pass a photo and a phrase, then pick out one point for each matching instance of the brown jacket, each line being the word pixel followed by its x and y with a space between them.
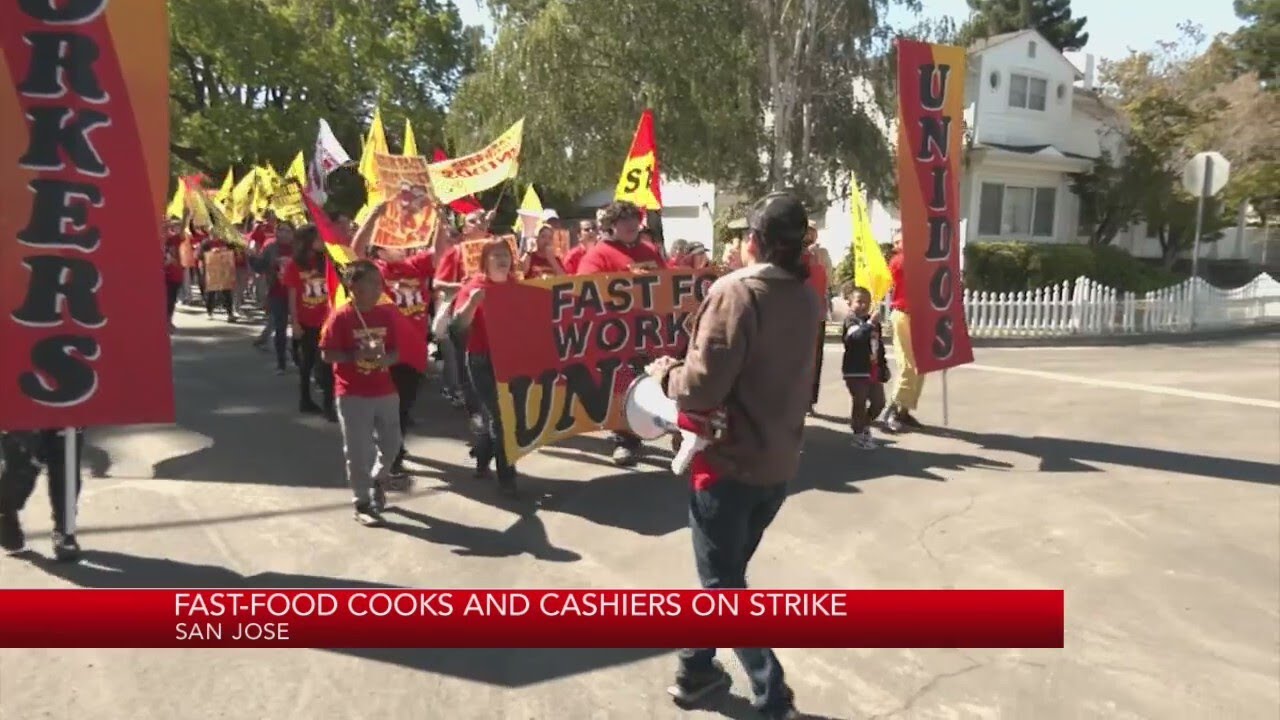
pixel 752 353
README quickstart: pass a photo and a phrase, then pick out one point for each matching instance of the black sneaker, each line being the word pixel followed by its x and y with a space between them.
pixel 624 456
pixel 692 689
pixel 11 537
pixel 308 407
pixel 909 420
pixel 368 515
pixel 65 548
pixel 507 486
pixel 379 501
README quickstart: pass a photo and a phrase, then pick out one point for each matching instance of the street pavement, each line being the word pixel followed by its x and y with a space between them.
pixel 1142 480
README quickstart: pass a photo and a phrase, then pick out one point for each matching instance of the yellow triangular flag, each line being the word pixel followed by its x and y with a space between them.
pixel 869 267
pixel 242 196
pixel 410 142
pixel 223 197
pixel 178 205
pixel 376 143
pixel 530 212
pixel 297 169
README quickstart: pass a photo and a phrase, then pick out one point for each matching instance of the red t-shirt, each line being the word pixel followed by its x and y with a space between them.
pixel 899 301
pixel 540 266
pixel 477 336
pixel 284 255
pixel 261 235
pixel 573 258
pixel 817 278
pixel 612 257
pixel 173 270
pixel 310 291
pixel 408 282
pixel 343 331
pixel 449 268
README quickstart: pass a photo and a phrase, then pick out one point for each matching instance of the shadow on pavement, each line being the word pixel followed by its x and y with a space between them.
pixel 1064 455
pixel 504 667
pixel 526 535
pixel 829 462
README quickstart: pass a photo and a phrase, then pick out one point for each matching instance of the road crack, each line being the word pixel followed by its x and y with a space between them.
pixel 921 536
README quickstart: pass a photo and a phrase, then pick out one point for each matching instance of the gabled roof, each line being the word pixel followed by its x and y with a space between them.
pixel 1047 151
pixel 985 44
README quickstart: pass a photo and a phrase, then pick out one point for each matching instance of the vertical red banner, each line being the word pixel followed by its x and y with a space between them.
pixel 83 172
pixel 930 147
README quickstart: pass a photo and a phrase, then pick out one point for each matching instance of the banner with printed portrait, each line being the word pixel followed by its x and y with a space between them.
pixel 219 270
pixel 84 175
pixel 411 215
pixel 566 349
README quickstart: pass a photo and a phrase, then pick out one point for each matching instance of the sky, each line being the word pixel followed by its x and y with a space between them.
pixel 1114 26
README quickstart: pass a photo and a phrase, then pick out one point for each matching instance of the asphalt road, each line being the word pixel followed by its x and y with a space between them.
pixel 1141 480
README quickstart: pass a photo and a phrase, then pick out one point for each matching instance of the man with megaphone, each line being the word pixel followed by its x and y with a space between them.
pixel 751 357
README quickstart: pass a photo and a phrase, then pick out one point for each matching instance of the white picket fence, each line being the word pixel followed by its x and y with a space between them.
pixel 1088 308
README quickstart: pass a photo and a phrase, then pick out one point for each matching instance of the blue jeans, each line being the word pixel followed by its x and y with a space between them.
pixel 727 521
pixel 489 445
pixel 277 324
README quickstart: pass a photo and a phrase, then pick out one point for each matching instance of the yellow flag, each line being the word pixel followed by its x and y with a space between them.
pixel 375 143
pixel 242 196
pixel 640 181
pixel 530 212
pixel 223 197
pixel 267 182
pixel 869 268
pixel 178 205
pixel 297 169
pixel 410 142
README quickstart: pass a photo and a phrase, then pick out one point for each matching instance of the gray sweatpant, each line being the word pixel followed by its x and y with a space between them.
pixel 370 439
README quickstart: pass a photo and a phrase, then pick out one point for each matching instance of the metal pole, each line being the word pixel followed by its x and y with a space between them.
pixel 1206 183
pixel 71 463
pixel 946 405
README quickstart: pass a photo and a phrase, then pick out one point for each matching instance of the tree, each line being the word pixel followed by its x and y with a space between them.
pixel 772 94
pixel 1110 194
pixel 1052 18
pixel 1258 42
pixel 1168 101
pixel 249 79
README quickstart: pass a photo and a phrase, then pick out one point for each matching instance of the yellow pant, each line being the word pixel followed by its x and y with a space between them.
pixel 906 393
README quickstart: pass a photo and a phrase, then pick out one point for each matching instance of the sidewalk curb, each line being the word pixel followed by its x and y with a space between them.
pixel 1132 339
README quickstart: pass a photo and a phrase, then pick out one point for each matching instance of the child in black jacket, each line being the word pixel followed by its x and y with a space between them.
pixel 864 366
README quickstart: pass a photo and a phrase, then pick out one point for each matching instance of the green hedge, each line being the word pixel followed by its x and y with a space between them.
pixel 1013 266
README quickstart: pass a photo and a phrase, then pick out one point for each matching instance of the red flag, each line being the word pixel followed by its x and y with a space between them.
pixel 462 205
pixel 640 182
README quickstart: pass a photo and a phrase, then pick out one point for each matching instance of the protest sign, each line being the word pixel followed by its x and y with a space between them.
pixel 219 270
pixel 565 349
pixel 470 251
pixel 84 170
pixel 930 146
pixel 469 174
pixel 411 216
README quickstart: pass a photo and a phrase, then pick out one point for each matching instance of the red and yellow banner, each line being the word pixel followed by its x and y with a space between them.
pixel 83 178
pixel 566 349
pixel 930 148
pixel 470 174
pixel 640 182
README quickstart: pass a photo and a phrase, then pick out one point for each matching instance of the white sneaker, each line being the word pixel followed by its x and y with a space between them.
pixel 868 441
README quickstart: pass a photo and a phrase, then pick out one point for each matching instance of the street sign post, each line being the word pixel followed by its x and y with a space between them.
pixel 1204 176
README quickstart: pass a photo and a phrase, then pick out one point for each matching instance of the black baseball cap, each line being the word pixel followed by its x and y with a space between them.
pixel 780 217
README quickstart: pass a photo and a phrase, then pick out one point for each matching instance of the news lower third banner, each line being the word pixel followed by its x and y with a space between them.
pixel 421 618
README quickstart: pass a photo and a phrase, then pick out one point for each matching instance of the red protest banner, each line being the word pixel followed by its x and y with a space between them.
pixel 84 171
pixel 930 145
pixel 565 349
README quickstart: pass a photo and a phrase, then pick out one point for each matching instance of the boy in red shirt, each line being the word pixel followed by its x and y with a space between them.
pixel 586 241
pixel 620 250
pixel 359 340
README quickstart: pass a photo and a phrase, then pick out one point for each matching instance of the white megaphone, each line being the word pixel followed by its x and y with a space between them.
pixel 650 414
